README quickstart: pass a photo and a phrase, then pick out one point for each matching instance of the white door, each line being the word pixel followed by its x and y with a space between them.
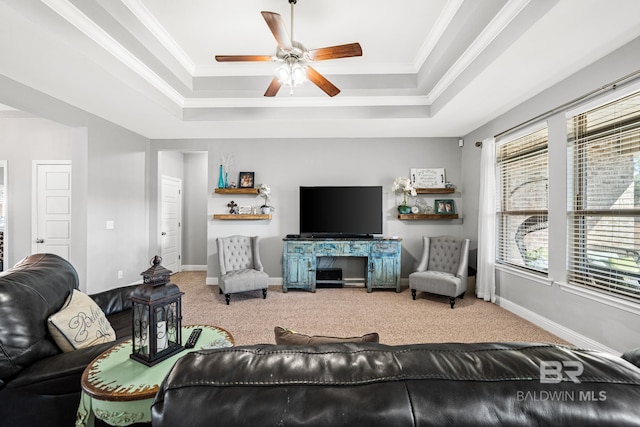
pixel 52 208
pixel 170 223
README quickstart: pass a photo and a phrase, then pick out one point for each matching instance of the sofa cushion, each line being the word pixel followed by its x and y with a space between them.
pixel 80 323
pixel 289 337
pixel 30 292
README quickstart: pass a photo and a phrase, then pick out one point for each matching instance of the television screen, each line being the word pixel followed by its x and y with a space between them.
pixel 340 211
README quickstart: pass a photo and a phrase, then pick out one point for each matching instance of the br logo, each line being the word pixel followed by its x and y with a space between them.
pixel 553 371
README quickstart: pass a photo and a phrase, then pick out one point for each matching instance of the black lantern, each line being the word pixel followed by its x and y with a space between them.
pixel 157 316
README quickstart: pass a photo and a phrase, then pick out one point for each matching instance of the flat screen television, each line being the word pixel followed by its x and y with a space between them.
pixel 340 211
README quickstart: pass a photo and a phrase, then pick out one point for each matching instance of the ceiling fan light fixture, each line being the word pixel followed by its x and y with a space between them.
pixel 291 73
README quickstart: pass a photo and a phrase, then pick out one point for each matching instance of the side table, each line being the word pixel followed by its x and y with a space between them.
pixel 120 390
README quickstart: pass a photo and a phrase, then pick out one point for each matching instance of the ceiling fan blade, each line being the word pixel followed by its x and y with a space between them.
pixel 320 81
pixel 273 88
pixel 238 58
pixel 277 27
pixel 333 52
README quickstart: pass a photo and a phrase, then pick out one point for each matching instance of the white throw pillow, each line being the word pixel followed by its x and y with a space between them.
pixel 80 323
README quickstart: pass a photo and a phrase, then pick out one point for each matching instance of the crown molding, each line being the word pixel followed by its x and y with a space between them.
pixel 89 28
pixel 140 11
pixel 440 26
pixel 507 14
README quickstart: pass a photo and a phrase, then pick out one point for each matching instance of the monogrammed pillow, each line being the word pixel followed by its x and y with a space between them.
pixel 80 323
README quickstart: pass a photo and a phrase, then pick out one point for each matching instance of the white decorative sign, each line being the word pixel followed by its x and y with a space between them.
pixel 428 178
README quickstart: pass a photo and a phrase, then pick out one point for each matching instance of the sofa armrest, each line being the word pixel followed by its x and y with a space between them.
pixel 114 300
pixel 59 374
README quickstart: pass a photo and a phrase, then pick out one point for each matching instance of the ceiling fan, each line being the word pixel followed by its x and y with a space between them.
pixel 295 58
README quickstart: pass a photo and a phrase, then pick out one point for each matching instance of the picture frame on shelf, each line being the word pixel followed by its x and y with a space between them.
pixel 445 207
pixel 246 179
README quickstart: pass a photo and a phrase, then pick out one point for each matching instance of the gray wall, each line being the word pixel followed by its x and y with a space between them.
pixel 23 140
pixel 578 316
pixel 194 242
pixel 285 165
pixel 109 176
pixel 117 190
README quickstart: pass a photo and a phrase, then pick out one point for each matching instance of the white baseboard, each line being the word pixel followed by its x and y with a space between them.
pixel 273 281
pixel 563 332
pixel 194 268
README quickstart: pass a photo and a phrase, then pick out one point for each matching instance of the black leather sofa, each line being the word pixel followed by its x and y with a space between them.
pixel 365 384
pixel 40 385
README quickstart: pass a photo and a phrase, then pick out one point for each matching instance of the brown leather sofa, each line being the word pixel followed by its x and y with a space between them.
pixel 39 384
pixel 367 384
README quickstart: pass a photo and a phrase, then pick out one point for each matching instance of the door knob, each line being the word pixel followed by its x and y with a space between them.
pixel 39 240
pixel 164 233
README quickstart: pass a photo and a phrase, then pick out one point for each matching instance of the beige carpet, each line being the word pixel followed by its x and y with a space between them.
pixel 351 311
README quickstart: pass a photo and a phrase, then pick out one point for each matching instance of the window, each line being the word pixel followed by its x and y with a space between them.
pixel 604 198
pixel 521 217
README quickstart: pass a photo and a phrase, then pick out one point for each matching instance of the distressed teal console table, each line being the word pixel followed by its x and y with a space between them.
pixel 382 268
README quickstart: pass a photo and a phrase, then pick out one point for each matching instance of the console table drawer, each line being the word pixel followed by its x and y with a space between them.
pixel 357 249
pixel 342 249
pixel 299 248
pixel 384 247
pixel 328 248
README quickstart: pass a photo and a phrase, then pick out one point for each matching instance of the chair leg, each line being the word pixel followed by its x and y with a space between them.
pixel 220 290
pixel 413 293
pixel 452 301
pixel 228 298
pixel 461 296
pixel 264 293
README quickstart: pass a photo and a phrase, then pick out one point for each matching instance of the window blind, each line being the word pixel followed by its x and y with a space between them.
pixel 522 202
pixel 604 198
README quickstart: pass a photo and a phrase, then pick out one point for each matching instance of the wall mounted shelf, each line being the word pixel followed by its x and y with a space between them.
pixel 236 190
pixel 427 216
pixel 435 190
pixel 241 216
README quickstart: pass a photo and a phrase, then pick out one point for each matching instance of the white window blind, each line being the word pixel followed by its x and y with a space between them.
pixel 522 203
pixel 604 198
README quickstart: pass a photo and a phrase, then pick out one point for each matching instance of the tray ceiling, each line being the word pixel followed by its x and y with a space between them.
pixel 429 68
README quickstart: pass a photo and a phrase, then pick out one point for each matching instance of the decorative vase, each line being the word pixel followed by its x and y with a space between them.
pixel 220 179
pixel 404 209
pixel 226 180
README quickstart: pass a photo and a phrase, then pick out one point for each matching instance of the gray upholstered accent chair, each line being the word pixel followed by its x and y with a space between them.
pixel 443 268
pixel 240 266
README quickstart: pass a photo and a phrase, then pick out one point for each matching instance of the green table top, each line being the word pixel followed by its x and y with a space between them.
pixel 114 376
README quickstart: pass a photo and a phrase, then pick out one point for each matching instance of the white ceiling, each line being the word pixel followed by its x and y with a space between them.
pixel 429 68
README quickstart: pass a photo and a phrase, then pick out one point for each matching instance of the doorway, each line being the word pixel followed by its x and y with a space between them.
pixel 171 223
pixel 51 211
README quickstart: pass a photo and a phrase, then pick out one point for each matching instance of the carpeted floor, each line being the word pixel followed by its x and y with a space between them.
pixel 351 311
